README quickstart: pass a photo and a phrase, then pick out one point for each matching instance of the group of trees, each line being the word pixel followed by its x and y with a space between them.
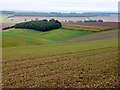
pixel 58 14
pixel 40 25
pixel 100 20
pixel 53 14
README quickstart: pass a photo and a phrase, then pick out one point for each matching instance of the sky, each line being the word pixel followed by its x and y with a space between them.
pixel 60 5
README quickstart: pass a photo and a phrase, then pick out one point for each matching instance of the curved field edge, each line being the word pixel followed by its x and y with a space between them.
pixel 44 50
pixel 22 37
pixel 112 34
pixel 13 40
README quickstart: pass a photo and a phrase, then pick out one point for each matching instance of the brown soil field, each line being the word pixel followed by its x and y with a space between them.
pixel 88 69
pixel 4 25
pixel 103 24
pixel 106 19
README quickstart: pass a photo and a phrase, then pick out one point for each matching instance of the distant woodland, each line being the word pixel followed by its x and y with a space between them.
pixel 40 25
pixel 56 14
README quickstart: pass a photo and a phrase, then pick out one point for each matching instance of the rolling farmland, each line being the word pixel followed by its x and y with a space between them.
pixel 90 64
pixel 78 55
pixel 22 37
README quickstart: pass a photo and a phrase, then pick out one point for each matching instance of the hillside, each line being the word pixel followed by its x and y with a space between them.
pixel 59 44
pixel 58 14
pixel 78 65
pixel 61 58
pixel 22 37
pixel 113 34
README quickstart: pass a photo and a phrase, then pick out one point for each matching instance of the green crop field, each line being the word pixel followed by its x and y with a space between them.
pixel 22 37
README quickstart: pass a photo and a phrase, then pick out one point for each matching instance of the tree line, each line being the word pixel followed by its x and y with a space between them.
pixel 40 25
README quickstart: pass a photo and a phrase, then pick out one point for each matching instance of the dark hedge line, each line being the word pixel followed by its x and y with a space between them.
pixel 7 28
pixel 40 25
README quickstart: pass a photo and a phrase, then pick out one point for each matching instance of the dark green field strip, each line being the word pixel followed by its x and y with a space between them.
pixel 41 74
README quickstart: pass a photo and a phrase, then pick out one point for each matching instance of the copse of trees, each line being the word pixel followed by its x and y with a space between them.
pixel 40 25
pixel 100 20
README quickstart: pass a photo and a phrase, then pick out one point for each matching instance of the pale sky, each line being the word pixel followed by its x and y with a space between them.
pixel 61 5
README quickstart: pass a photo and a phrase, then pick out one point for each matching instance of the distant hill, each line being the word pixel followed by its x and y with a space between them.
pixel 7 12
pixel 58 14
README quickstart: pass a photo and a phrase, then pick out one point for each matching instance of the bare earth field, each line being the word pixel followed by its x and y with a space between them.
pixel 4 25
pixel 106 19
pixel 103 24
pixel 31 67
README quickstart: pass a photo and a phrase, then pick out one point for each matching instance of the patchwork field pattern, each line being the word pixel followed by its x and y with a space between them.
pixel 79 55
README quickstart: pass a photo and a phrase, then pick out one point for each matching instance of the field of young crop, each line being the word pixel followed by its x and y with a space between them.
pixel 76 65
pixel 22 37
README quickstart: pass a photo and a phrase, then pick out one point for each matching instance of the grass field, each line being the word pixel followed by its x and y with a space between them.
pixel 112 34
pixel 21 37
pixel 78 65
